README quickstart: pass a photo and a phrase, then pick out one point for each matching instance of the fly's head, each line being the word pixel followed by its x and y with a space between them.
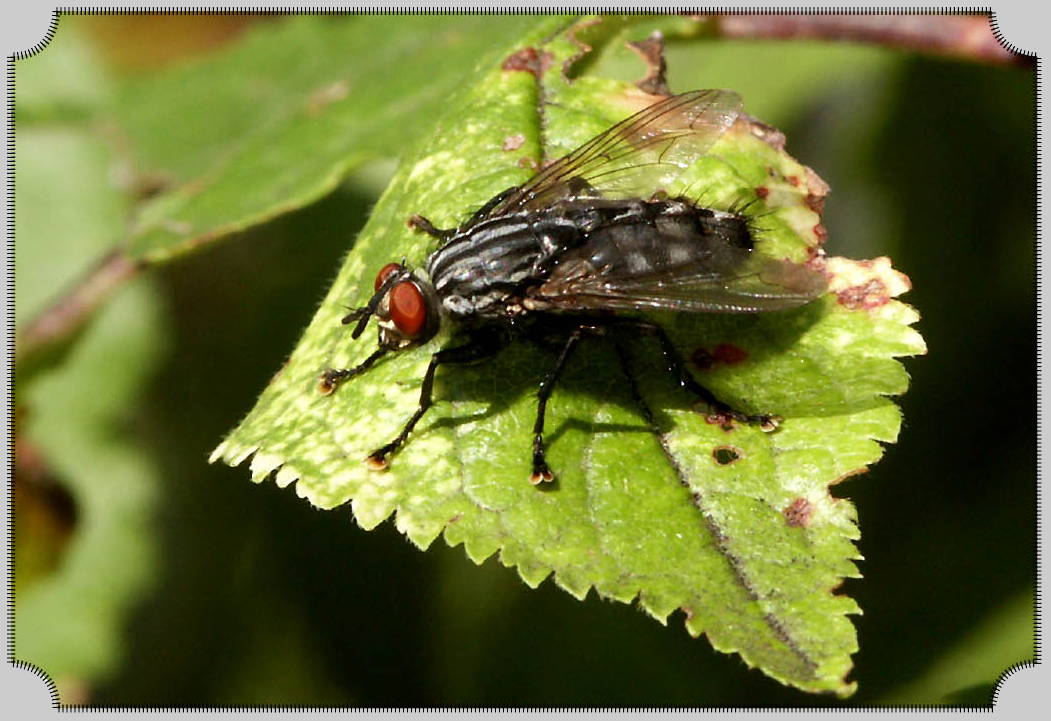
pixel 407 310
pixel 405 305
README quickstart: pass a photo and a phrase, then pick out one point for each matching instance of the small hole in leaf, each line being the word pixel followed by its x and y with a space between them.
pixel 725 455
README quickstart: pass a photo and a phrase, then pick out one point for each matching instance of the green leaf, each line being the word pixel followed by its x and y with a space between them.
pixel 737 528
pixel 967 671
pixel 73 422
pixel 276 121
pixel 70 623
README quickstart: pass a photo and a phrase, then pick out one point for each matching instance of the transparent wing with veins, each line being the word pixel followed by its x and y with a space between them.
pixel 635 157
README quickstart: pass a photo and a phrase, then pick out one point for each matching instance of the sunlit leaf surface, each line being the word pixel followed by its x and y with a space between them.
pixel 736 528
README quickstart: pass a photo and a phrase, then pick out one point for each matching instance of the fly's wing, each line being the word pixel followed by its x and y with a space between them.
pixel 636 156
pixel 742 283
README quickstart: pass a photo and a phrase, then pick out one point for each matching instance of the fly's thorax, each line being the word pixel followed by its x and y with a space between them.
pixel 483 270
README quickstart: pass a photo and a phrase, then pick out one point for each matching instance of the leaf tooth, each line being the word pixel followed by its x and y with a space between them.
pixel 532 573
pixel 373 505
pixel 577 585
pixel 658 606
pixel 478 549
pixel 286 476
pixel 421 532
pixel 233 453
pixel 263 463
pixel 219 452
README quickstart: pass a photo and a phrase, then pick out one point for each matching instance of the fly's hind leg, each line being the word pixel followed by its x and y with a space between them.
pixel 676 367
pixel 480 346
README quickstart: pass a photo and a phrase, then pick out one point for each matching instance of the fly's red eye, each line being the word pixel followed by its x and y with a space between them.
pixel 407 309
pixel 384 272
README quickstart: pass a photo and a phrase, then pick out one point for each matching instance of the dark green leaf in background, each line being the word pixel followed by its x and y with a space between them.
pixel 75 421
pixel 279 119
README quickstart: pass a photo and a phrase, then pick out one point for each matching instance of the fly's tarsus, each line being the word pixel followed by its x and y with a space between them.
pixel 331 378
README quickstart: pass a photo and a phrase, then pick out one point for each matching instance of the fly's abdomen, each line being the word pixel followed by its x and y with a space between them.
pixel 660 238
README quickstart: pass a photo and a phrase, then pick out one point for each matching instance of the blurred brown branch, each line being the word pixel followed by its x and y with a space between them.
pixel 60 321
pixel 963 36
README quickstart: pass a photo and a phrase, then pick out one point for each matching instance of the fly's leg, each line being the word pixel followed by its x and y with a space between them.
pixel 541 471
pixel 332 377
pixel 418 222
pixel 675 366
pixel 480 347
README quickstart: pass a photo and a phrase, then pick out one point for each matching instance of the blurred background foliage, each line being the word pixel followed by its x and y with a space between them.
pixel 144 576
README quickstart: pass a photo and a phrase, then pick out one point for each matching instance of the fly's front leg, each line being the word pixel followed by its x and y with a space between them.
pixel 478 348
pixel 332 377
pixel 675 365
pixel 541 472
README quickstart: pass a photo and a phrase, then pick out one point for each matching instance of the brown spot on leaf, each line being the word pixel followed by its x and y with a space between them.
pixel 820 233
pixel 651 50
pixel 725 422
pixel 793 180
pixel 702 358
pixel 798 512
pixel 513 142
pixel 528 60
pixel 868 295
pixel 817 191
pixel 767 133
pixel 722 353
pixel 762 191
pixel 529 164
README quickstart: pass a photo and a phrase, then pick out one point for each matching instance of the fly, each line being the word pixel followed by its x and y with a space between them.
pixel 566 255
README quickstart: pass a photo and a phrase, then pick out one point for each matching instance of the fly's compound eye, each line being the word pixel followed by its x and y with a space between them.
pixel 407 309
pixel 385 271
